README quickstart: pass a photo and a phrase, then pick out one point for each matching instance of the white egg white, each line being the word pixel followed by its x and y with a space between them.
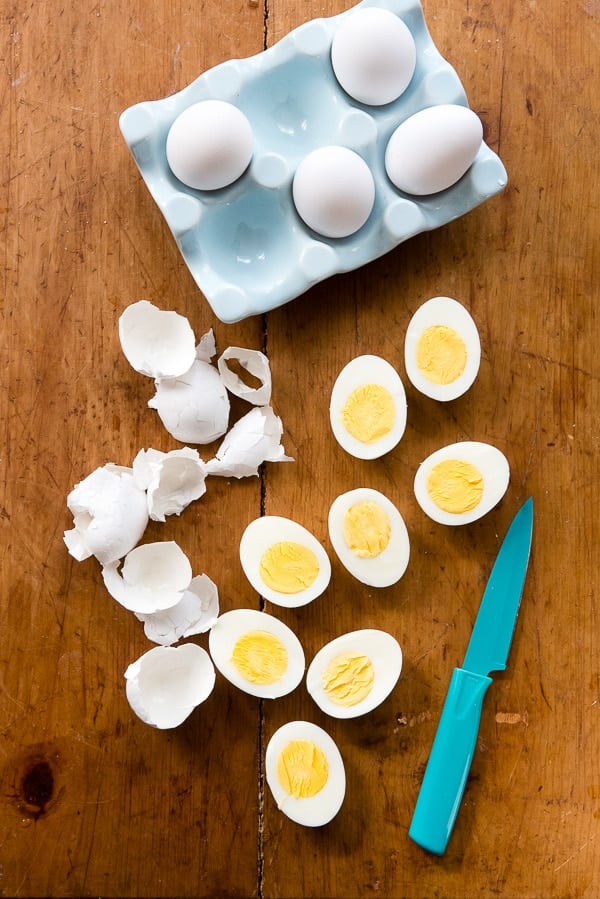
pixel 264 532
pixel 385 655
pixel 384 569
pixel 448 313
pixel 360 371
pixel 231 627
pixel 313 811
pixel 489 460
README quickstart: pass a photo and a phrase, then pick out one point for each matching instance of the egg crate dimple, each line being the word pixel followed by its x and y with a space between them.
pixel 245 244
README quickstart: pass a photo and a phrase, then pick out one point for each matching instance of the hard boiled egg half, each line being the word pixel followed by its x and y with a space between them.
pixel 283 561
pixel 257 653
pixel 461 482
pixel 354 673
pixel 369 536
pixel 305 773
pixel 367 409
pixel 442 350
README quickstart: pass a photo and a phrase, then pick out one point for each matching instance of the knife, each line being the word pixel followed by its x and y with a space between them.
pixel 451 755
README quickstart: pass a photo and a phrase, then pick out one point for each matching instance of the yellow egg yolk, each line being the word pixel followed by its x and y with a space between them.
pixel 369 413
pixel 455 486
pixel 260 657
pixel 289 567
pixel 349 678
pixel 367 529
pixel 302 769
pixel 441 354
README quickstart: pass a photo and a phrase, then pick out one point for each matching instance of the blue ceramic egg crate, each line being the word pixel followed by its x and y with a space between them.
pixel 245 244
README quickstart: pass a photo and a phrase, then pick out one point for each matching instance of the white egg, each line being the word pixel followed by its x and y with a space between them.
pixel 460 483
pixel 367 409
pixel 209 145
pixel 369 536
pixel 283 561
pixel 333 191
pixel 167 683
pixel 354 673
pixel 432 150
pixel 442 350
pixel 305 773
pixel 373 56
pixel 257 653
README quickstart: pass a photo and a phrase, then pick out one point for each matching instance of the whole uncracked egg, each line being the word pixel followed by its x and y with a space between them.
pixel 373 56
pixel 432 149
pixel 333 191
pixel 209 145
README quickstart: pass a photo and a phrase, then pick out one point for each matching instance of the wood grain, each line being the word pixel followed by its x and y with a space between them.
pixel 93 802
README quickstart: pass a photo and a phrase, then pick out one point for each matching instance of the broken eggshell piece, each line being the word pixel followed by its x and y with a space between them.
pixel 110 515
pixel 194 407
pixel 172 480
pixel 167 683
pixel 157 343
pixel 153 577
pixel 195 613
pixel 252 361
pixel 255 438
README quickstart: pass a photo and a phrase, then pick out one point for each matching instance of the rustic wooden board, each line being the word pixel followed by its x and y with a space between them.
pixel 93 802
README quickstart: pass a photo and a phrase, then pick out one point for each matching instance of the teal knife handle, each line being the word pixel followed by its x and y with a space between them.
pixel 450 760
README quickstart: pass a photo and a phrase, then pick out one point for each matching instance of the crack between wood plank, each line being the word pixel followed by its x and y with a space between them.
pixel 260 858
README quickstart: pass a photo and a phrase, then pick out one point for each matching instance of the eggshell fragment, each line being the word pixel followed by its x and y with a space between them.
pixel 254 439
pixel 252 361
pixel 110 515
pixel 167 683
pixel 154 577
pixel 194 407
pixel 207 347
pixel 157 343
pixel 172 480
pixel 195 613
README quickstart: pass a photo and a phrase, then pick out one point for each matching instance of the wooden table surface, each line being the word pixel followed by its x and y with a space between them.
pixel 92 801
